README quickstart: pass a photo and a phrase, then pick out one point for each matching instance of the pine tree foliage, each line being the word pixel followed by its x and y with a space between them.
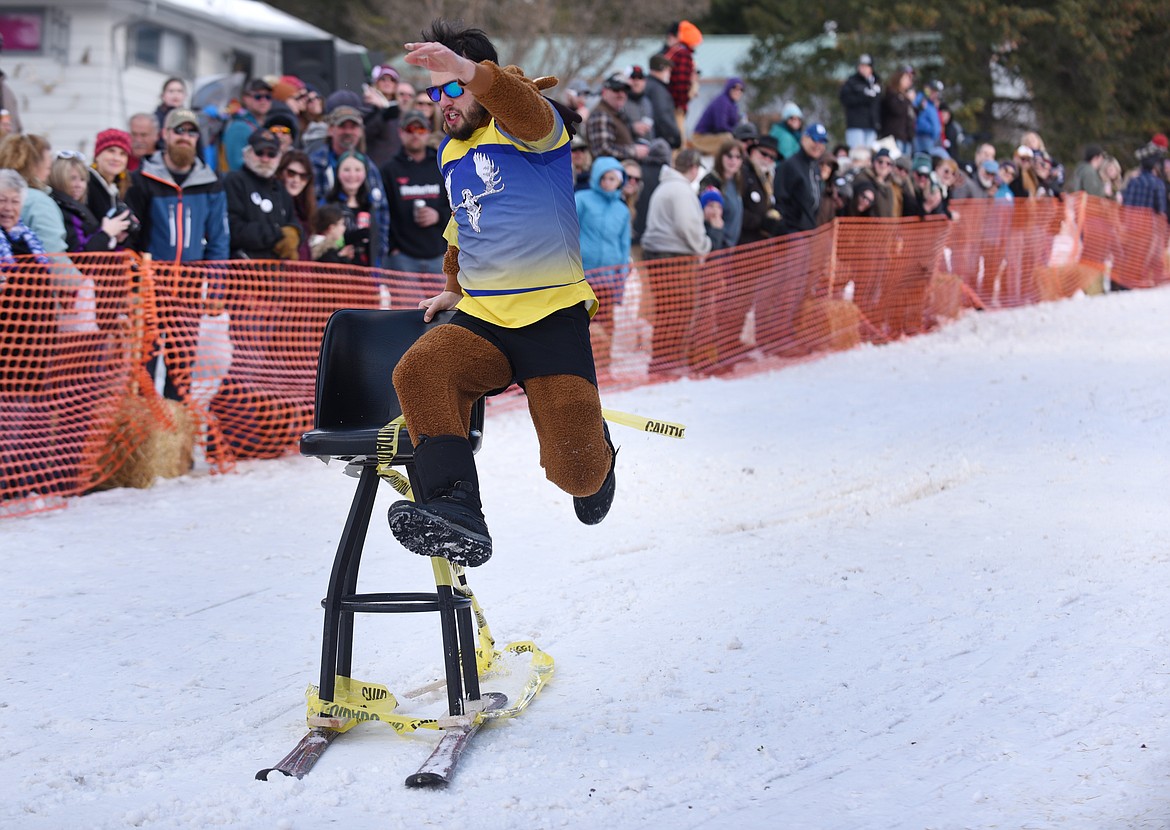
pixel 1079 71
pixel 587 34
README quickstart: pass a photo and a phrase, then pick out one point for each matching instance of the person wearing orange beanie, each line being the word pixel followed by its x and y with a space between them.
pixel 681 42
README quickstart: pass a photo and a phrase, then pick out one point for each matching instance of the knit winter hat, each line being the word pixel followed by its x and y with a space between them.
pixel 112 138
pixel 283 89
pixel 689 34
pixel 710 195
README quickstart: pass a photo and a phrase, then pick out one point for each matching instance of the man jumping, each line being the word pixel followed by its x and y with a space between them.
pixel 522 305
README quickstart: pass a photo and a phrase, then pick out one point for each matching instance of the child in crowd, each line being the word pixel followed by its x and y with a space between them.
pixel 327 244
pixel 604 221
pixel 712 201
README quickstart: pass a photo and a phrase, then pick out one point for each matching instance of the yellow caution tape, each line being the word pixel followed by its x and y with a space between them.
pixel 354 701
pixel 357 701
pixel 387 444
pixel 627 419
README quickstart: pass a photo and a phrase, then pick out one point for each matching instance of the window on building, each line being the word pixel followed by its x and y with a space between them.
pixel 23 30
pixel 163 49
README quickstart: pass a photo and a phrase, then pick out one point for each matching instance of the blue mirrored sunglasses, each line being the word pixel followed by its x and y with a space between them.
pixel 452 88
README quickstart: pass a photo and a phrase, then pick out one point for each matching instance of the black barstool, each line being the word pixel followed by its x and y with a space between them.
pixel 354 399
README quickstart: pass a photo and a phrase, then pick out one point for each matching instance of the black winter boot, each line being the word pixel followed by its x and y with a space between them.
pixel 592 509
pixel 447 520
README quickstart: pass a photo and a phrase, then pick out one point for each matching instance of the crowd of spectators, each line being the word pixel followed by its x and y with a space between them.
pixel 289 172
pixel 737 178
pixel 903 153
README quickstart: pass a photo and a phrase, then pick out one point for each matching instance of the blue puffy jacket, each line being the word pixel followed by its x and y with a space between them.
pixel 604 219
pixel 180 223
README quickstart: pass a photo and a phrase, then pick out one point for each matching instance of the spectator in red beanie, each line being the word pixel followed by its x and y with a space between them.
pixel 108 177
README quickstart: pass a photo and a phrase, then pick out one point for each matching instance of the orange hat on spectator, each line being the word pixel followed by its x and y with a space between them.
pixel 287 87
pixel 689 33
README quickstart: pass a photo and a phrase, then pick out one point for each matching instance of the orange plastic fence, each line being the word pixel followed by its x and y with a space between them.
pixel 79 409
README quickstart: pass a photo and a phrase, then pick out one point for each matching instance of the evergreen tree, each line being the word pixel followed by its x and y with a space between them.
pixel 1077 71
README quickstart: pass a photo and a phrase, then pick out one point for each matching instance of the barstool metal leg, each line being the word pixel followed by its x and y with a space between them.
pixel 467 643
pixel 337 638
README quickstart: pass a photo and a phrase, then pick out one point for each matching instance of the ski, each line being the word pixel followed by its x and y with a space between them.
pixel 437 771
pixel 304 755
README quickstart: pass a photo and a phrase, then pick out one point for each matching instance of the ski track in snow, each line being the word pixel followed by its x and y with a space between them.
pixel 917 586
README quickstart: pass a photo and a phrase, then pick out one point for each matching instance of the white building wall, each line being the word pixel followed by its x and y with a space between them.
pixel 70 101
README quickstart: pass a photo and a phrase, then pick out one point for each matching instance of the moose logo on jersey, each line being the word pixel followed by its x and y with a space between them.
pixel 489 174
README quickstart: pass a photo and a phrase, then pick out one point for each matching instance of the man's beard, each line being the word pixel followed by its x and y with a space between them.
pixel 346 142
pixel 181 156
pixel 475 118
pixel 265 169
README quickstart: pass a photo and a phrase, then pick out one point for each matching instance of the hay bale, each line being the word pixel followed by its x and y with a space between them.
pixel 823 323
pixel 142 446
pixel 1056 282
pixel 944 296
pixel 122 460
pixel 171 449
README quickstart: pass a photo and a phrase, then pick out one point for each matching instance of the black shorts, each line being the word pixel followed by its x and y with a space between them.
pixel 554 345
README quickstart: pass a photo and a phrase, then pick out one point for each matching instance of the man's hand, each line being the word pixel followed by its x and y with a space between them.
pixel 440 302
pixel 435 57
pixel 374 97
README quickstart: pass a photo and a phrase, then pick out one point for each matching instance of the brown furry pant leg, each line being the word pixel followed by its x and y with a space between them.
pixel 449 368
pixel 442 375
pixel 566 411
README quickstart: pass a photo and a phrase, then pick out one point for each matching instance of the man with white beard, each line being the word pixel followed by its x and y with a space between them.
pixel 261 217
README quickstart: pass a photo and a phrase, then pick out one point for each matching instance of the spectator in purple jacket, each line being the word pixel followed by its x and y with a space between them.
pixel 719 118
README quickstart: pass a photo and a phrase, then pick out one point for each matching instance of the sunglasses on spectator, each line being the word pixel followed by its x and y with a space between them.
pixel 186 129
pixel 290 173
pixel 267 154
pixel 452 89
pixel 767 154
pixel 634 178
pixel 279 130
pixel 71 154
pixel 260 96
pixel 415 129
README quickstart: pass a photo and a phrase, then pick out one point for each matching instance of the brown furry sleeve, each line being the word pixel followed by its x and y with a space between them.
pixel 513 100
pixel 451 269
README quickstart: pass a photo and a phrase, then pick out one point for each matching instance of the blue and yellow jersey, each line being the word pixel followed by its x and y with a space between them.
pixel 514 220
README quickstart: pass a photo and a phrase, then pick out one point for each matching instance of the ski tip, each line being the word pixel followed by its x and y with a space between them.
pixel 426 781
pixel 262 775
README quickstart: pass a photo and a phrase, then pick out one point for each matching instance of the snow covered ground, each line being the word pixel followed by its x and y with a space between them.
pixel 916 586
